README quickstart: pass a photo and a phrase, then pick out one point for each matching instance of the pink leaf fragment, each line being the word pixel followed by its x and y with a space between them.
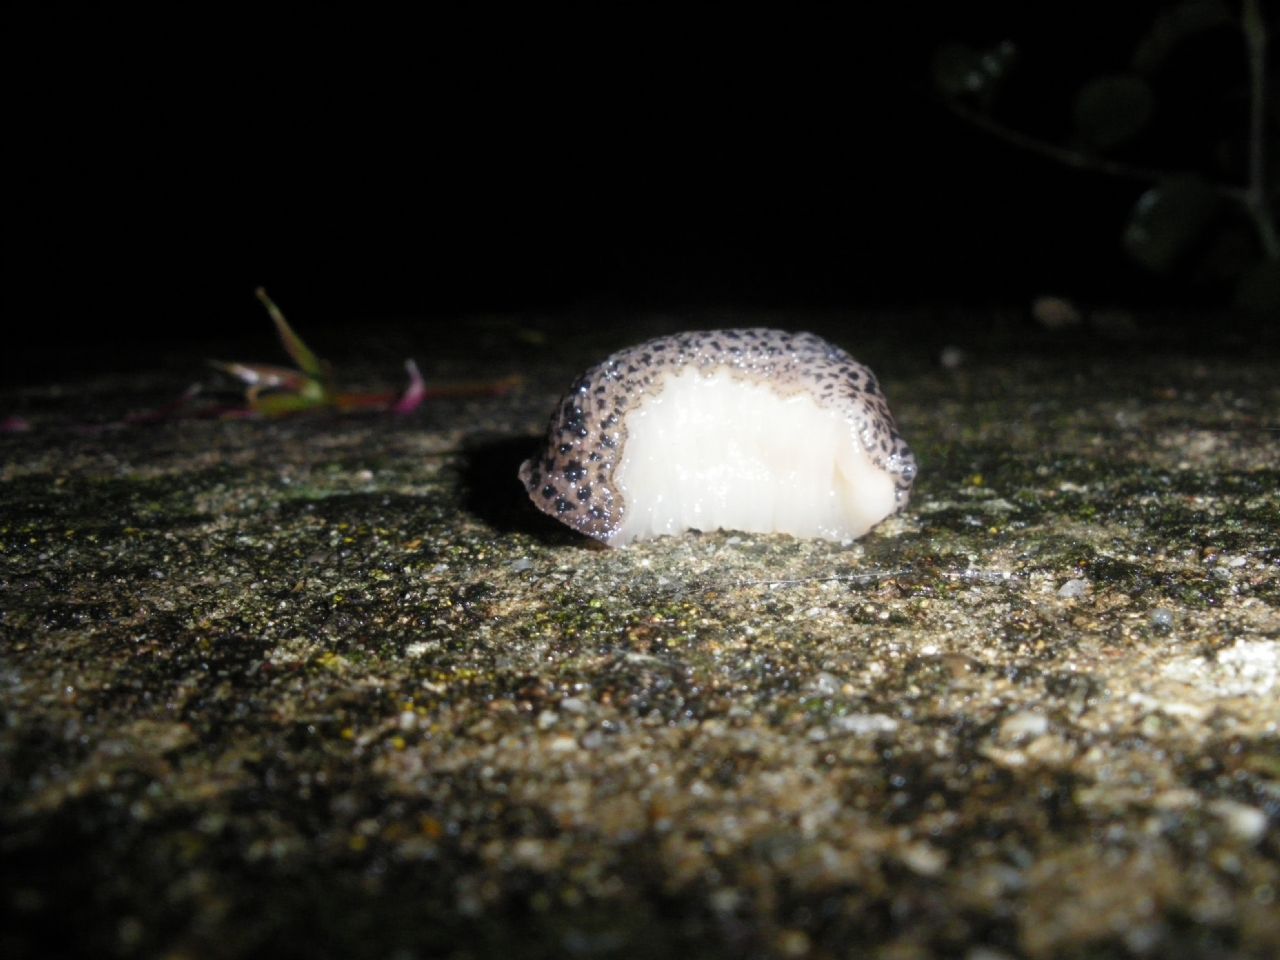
pixel 414 394
pixel 15 424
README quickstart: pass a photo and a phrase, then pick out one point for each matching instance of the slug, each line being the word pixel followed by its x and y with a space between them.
pixel 757 430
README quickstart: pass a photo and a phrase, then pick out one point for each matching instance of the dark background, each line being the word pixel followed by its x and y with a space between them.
pixel 430 172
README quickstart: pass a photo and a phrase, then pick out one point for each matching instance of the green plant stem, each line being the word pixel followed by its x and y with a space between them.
pixel 1255 37
pixel 300 353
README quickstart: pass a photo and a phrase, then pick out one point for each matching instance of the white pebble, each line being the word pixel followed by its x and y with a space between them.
pixel 825 684
pixel 420 648
pixel 924 859
pixel 562 743
pixel 1245 823
pixel 1073 588
pixel 861 724
pixel 1025 723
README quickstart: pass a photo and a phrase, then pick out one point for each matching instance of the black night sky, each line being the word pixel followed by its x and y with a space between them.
pixel 466 165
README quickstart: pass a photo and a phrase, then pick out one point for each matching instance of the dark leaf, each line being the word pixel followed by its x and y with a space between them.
pixel 1229 251
pixel 1167 221
pixel 1258 291
pixel 1112 110
pixel 1173 26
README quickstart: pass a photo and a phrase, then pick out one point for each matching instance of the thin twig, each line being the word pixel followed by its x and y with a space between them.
pixel 1076 159
pixel 1255 37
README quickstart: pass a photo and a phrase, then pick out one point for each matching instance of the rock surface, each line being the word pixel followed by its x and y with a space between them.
pixel 329 686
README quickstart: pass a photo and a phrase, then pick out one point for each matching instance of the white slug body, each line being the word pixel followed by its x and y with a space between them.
pixel 756 430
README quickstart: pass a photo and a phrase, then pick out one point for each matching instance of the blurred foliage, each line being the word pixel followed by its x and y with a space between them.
pixel 1206 188
pixel 1167 219
pixel 274 391
pixel 1110 111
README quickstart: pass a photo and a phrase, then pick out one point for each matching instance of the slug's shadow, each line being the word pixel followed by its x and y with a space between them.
pixel 492 491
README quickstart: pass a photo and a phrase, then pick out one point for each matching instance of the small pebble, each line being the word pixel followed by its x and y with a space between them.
pixel 1162 619
pixel 1245 822
pixel 1055 313
pixel 1073 588
pixel 725 900
pixel 793 943
pixel 924 859
pixel 861 724
pixel 986 953
pixel 1023 724
pixel 825 684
